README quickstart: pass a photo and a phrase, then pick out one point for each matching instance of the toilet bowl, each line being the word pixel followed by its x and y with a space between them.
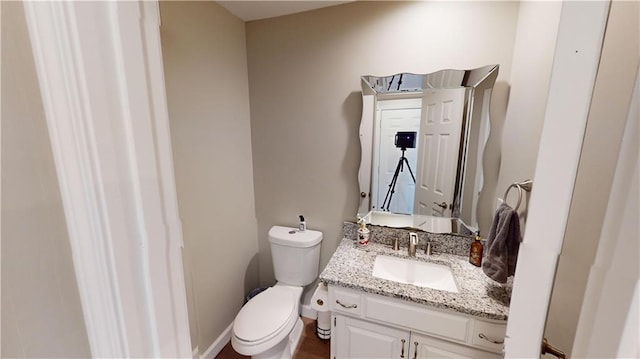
pixel 269 325
pixel 266 325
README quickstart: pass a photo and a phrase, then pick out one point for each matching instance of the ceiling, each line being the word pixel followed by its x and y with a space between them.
pixel 263 9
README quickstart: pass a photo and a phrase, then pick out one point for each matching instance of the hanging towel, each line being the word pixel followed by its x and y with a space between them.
pixel 502 245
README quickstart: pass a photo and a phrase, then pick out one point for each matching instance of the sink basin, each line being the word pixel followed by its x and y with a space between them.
pixel 409 271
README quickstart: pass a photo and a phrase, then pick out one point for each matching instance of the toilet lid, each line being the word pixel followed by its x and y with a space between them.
pixel 264 314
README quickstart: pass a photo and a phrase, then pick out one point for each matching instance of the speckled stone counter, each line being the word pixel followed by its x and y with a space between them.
pixel 352 266
pixel 440 242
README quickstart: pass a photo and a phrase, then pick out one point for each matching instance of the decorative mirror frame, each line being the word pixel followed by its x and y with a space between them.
pixel 478 82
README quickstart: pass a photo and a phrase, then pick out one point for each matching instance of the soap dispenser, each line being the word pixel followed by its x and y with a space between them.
pixel 302 226
pixel 475 254
pixel 363 233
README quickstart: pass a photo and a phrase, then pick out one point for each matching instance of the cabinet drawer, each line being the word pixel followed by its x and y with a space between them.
pixel 423 346
pixel 419 318
pixel 345 301
pixel 489 335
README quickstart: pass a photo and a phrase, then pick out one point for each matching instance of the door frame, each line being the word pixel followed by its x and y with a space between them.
pixel 577 55
pixel 100 71
pixel 608 325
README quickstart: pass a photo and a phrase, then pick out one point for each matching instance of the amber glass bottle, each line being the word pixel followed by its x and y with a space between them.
pixel 475 254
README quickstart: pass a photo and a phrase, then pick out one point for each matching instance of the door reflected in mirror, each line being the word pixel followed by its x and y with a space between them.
pixel 395 162
pixel 422 140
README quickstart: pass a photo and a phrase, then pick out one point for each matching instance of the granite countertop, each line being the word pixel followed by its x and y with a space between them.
pixel 352 266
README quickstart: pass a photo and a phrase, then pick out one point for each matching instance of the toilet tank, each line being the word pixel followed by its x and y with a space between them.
pixel 295 255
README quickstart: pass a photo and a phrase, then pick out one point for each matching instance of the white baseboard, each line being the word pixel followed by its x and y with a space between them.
pixel 195 353
pixel 218 344
pixel 308 312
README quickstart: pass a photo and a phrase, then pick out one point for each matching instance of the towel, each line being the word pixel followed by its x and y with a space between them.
pixel 504 239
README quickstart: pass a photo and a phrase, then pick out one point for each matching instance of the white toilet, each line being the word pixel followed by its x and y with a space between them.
pixel 269 325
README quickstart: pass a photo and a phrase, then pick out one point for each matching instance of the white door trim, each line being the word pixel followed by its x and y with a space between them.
pixel 100 71
pixel 580 38
pixel 376 119
pixel 0 193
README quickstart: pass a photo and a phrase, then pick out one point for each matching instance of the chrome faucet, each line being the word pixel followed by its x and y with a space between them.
pixel 413 243
pixel 396 245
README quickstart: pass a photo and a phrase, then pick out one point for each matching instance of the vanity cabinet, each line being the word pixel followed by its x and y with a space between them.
pixel 366 325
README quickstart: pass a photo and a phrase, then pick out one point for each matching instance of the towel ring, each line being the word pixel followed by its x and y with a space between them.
pixel 524 185
pixel 519 194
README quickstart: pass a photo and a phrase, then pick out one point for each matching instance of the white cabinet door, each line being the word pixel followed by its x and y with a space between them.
pixel 357 339
pixel 423 347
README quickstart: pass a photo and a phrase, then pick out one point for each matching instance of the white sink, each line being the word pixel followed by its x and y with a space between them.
pixel 409 271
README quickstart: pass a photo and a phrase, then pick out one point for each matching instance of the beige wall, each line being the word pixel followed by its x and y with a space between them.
pixel 530 75
pixel 304 72
pixel 208 98
pixel 41 310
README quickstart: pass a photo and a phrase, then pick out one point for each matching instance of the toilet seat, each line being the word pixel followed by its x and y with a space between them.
pixel 265 320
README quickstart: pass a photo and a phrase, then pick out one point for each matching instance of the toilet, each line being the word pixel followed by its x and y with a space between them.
pixel 269 325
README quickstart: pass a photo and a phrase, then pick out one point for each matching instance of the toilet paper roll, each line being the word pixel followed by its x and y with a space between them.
pixel 323 326
pixel 319 300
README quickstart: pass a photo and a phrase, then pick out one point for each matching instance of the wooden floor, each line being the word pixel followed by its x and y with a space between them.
pixel 311 347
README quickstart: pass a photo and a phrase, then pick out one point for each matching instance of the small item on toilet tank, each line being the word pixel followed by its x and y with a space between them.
pixel 363 233
pixel 303 225
pixel 475 253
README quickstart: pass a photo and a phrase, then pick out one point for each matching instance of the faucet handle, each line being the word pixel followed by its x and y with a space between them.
pixel 427 248
pixel 413 238
pixel 396 245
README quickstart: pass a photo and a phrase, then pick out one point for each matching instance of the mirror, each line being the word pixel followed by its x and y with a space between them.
pixel 422 139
